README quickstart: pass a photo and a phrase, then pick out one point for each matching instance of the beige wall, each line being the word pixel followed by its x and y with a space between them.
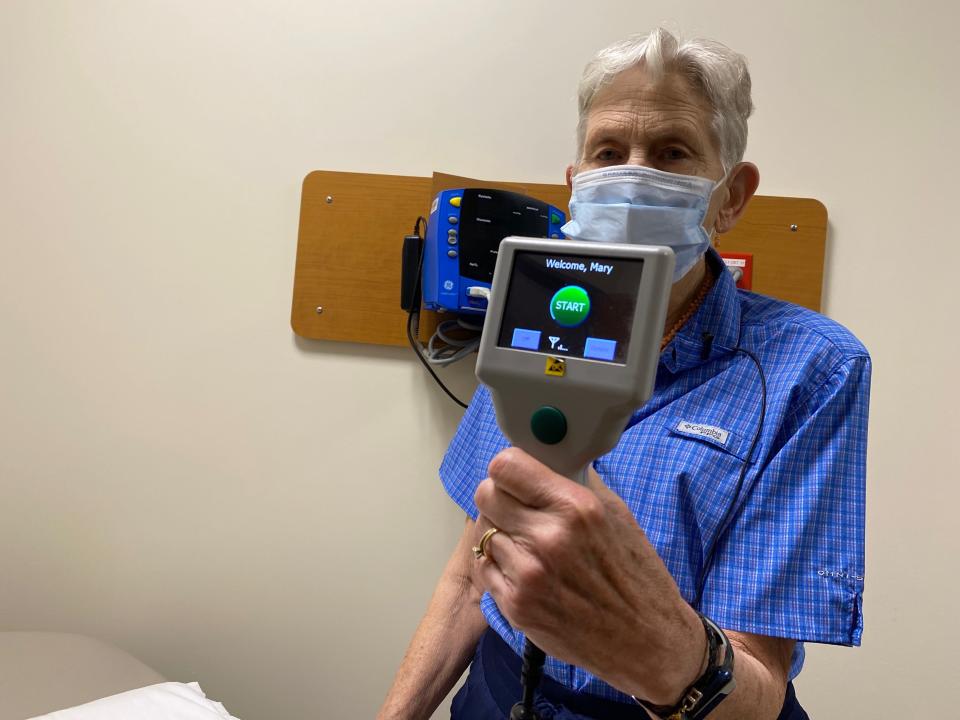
pixel 181 476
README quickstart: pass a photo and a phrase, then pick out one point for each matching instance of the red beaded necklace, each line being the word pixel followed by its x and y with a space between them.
pixel 694 305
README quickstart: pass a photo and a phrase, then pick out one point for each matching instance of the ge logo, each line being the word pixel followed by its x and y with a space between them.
pixel 448 285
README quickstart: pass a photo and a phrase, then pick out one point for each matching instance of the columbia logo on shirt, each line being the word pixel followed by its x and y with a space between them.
pixel 705 431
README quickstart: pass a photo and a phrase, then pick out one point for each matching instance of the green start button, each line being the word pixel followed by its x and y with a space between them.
pixel 549 425
pixel 570 306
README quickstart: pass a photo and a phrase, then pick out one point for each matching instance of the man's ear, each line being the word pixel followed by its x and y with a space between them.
pixel 570 174
pixel 742 184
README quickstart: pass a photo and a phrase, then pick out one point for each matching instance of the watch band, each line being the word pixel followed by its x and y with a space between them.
pixel 711 688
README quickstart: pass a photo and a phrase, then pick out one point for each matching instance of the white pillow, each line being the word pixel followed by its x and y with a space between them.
pixel 166 701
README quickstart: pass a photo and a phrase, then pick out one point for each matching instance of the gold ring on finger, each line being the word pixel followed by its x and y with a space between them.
pixel 480 550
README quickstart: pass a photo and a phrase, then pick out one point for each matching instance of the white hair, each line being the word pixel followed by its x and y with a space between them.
pixel 718 73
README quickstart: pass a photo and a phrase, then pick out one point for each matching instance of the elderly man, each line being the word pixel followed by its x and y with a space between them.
pixel 735 498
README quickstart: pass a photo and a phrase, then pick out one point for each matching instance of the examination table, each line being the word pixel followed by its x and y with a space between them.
pixel 44 672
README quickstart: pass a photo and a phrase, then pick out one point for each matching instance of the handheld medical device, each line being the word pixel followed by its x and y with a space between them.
pixel 571 344
pixel 569 351
pixel 463 237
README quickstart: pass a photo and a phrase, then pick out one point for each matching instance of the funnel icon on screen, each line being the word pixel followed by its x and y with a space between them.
pixel 553 341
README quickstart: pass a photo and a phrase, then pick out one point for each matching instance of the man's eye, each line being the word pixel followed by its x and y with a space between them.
pixel 675 153
pixel 606 155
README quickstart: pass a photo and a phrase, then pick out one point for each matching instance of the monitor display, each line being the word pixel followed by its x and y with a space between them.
pixel 571 305
pixel 486 218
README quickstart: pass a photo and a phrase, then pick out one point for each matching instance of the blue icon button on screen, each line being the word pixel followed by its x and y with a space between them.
pixel 525 339
pixel 597 349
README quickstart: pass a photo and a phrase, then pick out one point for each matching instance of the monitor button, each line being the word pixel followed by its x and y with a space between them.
pixel 452 240
pixel 453 219
pixel 549 425
pixel 455 201
pixel 451 253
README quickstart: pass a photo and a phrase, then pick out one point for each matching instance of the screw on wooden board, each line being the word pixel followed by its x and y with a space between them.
pixel 320 310
pixel 793 228
pixel 329 199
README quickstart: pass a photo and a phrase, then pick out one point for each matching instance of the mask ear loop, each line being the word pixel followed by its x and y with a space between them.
pixel 724 179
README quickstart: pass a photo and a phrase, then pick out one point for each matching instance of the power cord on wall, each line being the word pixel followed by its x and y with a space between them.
pixel 453 340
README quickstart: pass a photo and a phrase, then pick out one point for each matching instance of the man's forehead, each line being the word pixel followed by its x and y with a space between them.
pixel 633 96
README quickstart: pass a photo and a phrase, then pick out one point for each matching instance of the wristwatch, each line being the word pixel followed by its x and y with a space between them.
pixel 711 688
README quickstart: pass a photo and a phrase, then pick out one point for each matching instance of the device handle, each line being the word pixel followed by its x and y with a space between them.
pixel 581 476
pixel 571 468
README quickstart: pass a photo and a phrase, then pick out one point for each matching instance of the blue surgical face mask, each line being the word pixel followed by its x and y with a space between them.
pixel 642 206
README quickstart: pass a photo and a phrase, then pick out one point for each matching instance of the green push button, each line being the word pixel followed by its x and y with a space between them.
pixel 570 306
pixel 555 219
pixel 549 425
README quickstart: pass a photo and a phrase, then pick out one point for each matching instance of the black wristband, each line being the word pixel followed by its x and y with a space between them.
pixel 711 688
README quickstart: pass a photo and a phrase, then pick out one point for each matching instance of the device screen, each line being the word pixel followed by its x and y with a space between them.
pixel 571 305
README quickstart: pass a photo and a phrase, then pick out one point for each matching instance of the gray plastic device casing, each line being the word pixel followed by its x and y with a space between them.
pixel 597 397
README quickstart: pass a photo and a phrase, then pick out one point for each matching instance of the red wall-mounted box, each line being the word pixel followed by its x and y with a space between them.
pixel 742 262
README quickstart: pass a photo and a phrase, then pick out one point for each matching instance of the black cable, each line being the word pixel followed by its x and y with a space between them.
pixel 414 345
pixel 707 348
pixel 419 354
pixel 416 228
pixel 530 675
pixel 728 516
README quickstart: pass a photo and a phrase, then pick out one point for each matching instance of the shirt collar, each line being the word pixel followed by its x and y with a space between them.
pixel 714 329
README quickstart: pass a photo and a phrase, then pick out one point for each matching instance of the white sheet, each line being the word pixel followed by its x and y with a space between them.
pixel 166 701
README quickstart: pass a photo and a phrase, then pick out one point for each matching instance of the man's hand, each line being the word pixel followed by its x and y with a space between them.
pixel 573 570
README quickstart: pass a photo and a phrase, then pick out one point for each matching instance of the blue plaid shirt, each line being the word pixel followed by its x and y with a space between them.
pixel 791 562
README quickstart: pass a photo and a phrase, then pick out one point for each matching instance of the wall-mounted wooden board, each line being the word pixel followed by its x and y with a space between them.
pixel 348 255
pixel 347 278
pixel 788 240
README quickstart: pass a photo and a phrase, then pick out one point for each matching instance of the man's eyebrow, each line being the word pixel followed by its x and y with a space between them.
pixel 675 129
pixel 604 136
pixel 666 132
pixel 675 134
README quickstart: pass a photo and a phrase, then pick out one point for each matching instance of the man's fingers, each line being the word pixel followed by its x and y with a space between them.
pixel 495 581
pixel 504 510
pixel 529 481
pixel 499 549
pixel 512 586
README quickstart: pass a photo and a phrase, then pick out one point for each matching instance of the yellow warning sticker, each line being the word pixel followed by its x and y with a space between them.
pixel 556 366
